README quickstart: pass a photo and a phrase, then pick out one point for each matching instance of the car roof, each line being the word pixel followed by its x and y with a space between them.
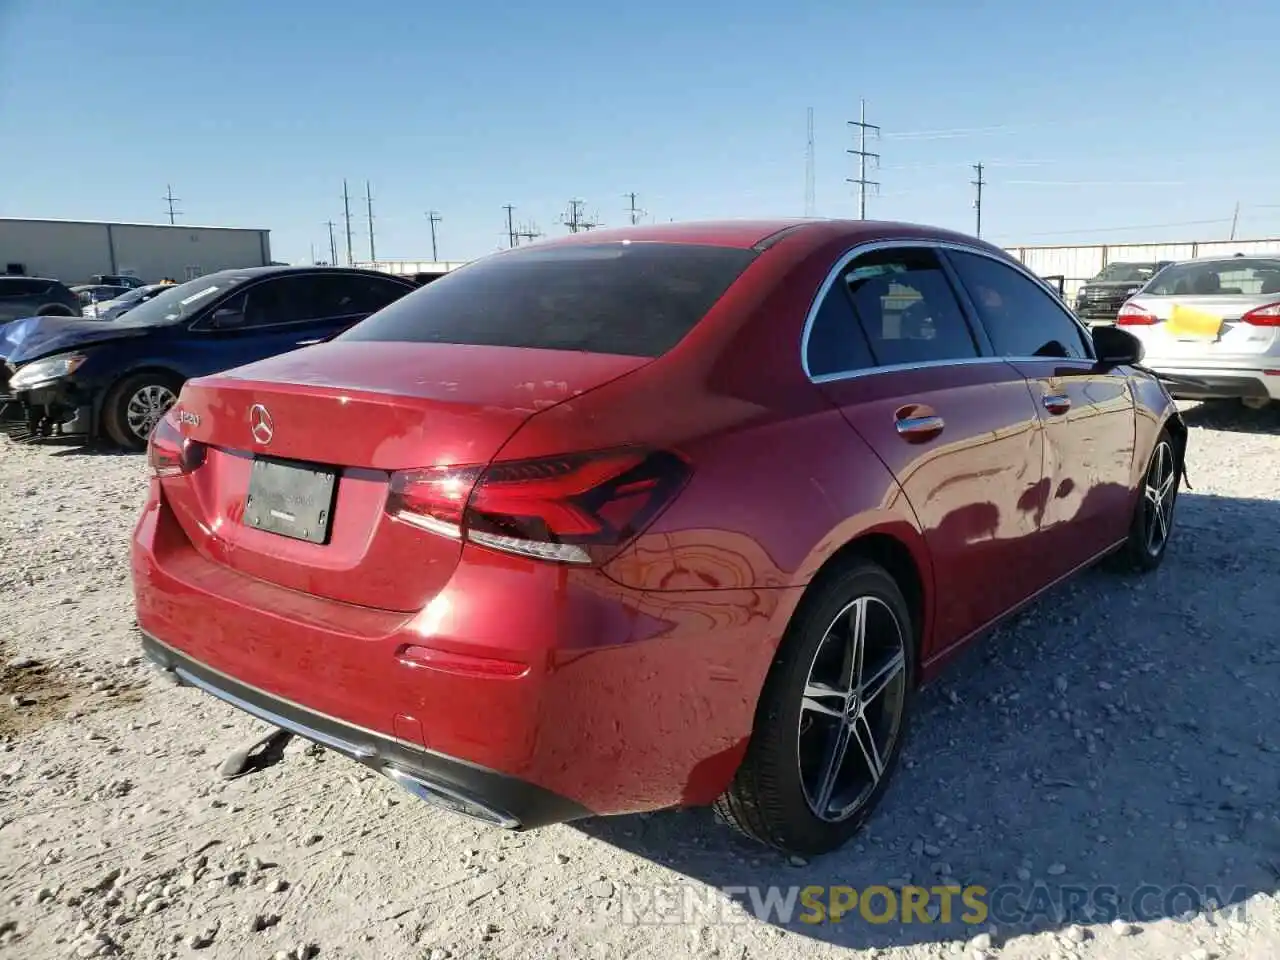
pixel 271 271
pixel 749 234
pixel 7 276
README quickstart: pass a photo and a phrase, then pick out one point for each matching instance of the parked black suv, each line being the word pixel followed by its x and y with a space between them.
pixel 36 297
pixel 1101 298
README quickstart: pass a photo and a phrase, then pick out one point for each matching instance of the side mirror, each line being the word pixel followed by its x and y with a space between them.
pixel 1116 347
pixel 225 317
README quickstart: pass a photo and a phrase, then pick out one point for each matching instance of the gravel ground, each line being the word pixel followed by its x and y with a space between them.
pixel 1121 732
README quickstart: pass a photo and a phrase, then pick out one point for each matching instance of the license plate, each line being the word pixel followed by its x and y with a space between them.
pixel 1188 324
pixel 291 499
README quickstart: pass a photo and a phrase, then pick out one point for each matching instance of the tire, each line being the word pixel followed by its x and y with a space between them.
pixel 777 791
pixel 133 406
pixel 1149 531
pixel 54 310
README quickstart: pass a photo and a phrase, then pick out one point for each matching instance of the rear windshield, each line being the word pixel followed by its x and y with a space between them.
pixel 1238 276
pixel 631 298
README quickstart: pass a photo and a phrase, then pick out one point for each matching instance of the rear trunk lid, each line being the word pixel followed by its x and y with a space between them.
pixel 1205 327
pixel 355 412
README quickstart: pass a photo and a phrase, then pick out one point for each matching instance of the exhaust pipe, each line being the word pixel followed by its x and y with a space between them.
pixel 449 798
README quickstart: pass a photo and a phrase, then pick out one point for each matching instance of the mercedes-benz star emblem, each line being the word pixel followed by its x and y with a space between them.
pixel 261 425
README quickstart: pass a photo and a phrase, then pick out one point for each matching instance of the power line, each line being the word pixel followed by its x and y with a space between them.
pixel 574 220
pixel 368 199
pixel 862 155
pixel 633 211
pixel 346 212
pixel 172 200
pixel 434 218
pixel 511 227
pixel 333 244
pixel 810 203
pixel 977 203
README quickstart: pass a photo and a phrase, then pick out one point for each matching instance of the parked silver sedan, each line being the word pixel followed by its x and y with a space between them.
pixel 1212 327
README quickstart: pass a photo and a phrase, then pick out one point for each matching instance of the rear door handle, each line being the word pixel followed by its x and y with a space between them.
pixel 1057 403
pixel 919 428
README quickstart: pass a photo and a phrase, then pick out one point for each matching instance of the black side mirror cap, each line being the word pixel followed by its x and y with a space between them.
pixel 1115 347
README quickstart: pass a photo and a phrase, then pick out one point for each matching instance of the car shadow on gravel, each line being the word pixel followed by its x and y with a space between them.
pixel 1111 752
pixel 1233 417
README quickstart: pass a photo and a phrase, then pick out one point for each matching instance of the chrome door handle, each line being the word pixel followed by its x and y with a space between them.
pixel 919 426
pixel 1057 403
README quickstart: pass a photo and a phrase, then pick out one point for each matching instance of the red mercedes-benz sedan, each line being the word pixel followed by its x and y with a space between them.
pixel 661 516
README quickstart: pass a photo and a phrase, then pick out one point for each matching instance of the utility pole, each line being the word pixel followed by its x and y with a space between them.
pixel 172 200
pixel 574 219
pixel 434 218
pixel 346 208
pixel 511 228
pixel 333 244
pixel 809 201
pixel 368 199
pixel 313 254
pixel 862 155
pixel 1235 219
pixel 977 203
pixel 635 212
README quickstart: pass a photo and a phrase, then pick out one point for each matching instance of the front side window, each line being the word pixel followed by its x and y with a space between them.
pixel 1022 319
pixel 907 309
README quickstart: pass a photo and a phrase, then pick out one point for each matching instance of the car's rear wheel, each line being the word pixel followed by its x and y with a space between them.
pixel 54 310
pixel 1152 522
pixel 831 719
pixel 135 405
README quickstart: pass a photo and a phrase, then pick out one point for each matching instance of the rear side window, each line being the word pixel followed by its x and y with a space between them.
pixel 1022 319
pixel 907 308
pixel 22 288
pixel 635 299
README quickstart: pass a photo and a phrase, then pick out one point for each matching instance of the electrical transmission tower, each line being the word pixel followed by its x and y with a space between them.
pixel 863 156
pixel 173 214
pixel 368 199
pixel 434 218
pixel 346 213
pixel 516 234
pixel 633 211
pixel 977 202
pixel 809 191
pixel 575 220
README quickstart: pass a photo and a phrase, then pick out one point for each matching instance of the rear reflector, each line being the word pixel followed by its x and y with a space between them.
pixel 169 453
pixel 1268 316
pixel 577 508
pixel 1132 315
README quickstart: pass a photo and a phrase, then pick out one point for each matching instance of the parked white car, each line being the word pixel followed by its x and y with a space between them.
pixel 1212 327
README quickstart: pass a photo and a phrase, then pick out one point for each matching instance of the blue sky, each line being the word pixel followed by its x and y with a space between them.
pixel 1090 116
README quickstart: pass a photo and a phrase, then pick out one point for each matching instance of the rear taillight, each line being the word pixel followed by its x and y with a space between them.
pixel 1132 315
pixel 578 508
pixel 169 453
pixel 1268 316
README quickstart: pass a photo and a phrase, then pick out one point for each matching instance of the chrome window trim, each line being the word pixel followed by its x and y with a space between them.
pixel 873 246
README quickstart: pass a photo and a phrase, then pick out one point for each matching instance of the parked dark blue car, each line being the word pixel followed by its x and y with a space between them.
pixel 92 379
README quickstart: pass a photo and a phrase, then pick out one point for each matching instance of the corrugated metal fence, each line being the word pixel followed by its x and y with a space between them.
pixel 1081 263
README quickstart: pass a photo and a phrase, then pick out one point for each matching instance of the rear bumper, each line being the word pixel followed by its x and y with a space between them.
pixel 462 787
pixel 622 701
pixel 1219 383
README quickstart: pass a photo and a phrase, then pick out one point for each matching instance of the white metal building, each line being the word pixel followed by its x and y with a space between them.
pixel 74 250
pixel 407 268
pixel 1080 263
